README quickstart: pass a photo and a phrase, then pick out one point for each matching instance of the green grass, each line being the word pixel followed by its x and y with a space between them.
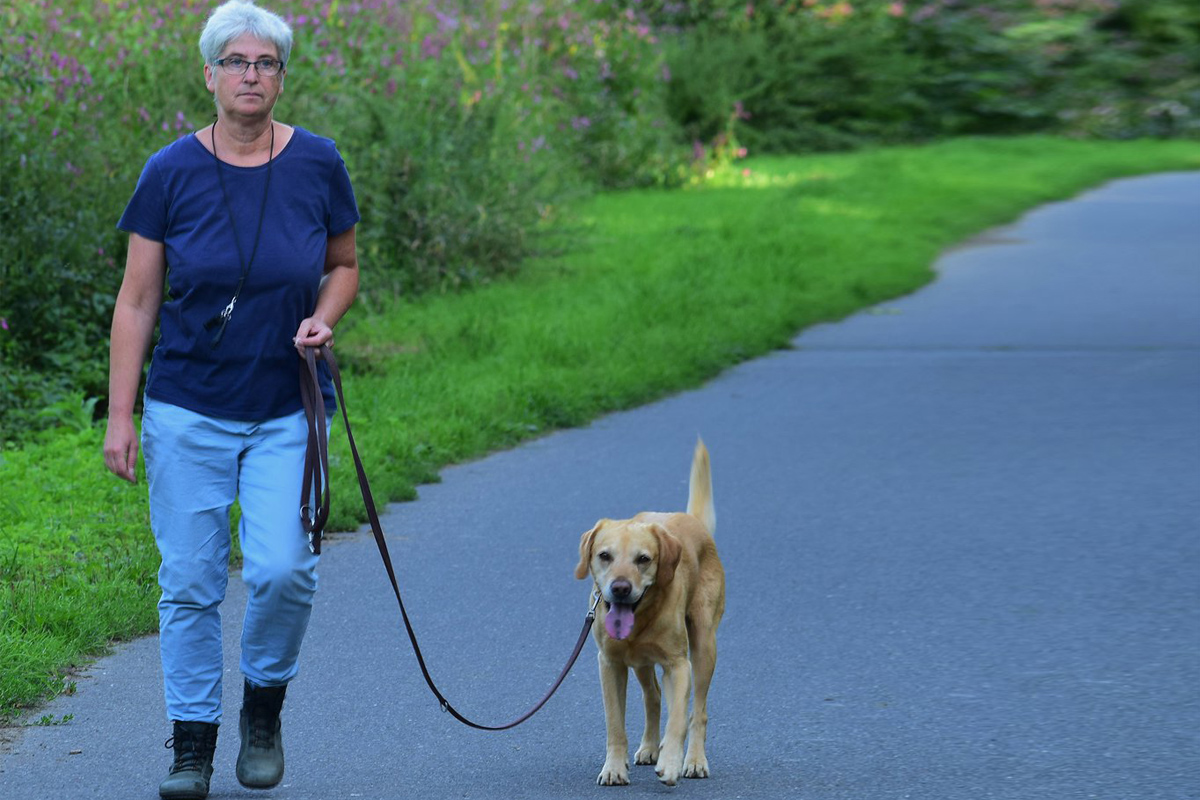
pixel 650 292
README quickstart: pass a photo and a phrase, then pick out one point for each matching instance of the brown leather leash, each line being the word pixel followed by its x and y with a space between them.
pixel 316 486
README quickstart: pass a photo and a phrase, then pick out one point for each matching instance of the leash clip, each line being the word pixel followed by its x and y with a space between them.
pixel 591 615
pixel 316 531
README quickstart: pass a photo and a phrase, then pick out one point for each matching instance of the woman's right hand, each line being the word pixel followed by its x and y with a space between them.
pixel 121 447
pixel 134 317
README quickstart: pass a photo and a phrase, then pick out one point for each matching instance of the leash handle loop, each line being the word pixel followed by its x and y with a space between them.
pixel 315 484
pixel 316 471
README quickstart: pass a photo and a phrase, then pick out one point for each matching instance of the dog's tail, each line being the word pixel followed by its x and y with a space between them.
pixel 700 496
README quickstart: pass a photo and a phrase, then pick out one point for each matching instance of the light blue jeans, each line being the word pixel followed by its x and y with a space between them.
pixel 196 466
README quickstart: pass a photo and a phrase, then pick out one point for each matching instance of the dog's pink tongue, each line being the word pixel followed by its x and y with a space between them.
pixel 619 620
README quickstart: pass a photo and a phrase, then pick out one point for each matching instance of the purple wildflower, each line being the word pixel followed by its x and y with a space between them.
pixel 432 46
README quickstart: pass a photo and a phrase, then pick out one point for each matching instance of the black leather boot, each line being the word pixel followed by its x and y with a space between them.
pixel 260 761
pixel 194 744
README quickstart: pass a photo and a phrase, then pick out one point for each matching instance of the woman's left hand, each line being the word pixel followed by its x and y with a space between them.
pixel 313 332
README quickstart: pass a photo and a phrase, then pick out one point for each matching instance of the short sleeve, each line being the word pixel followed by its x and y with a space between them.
pixel 343 208
pixel 146 213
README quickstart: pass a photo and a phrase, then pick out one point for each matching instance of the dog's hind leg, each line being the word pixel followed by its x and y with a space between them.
pixel 704 662
pixel 647 752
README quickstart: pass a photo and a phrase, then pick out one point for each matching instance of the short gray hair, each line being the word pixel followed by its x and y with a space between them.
pixel 238 17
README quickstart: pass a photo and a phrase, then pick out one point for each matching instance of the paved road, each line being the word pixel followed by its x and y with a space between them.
pixel 960 537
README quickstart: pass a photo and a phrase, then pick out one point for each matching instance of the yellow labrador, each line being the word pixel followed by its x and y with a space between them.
pixel 664 593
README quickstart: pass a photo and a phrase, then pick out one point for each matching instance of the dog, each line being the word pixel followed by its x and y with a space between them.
pixel 663 588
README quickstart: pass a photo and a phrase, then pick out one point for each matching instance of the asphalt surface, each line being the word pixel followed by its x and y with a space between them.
pixel 960 534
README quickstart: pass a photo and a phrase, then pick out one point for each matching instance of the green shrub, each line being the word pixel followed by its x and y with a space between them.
pixel 819 75
pixel 797 82
pixel 57 276
pixel 1090 67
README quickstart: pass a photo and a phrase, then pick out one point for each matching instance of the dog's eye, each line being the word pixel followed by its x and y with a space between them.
pixel 643 559
pixel 604 556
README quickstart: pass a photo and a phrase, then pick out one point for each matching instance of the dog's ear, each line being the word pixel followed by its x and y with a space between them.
pixel 585 550
pixel 669 551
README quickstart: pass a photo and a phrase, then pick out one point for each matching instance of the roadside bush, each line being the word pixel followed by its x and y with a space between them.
pixel 1084 67
pixel 821 75
pixel 1158 92
pixel 536 104
pixel 797 81
pixel 56 274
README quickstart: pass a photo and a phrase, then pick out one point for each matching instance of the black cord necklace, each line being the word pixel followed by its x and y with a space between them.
pixel 222 319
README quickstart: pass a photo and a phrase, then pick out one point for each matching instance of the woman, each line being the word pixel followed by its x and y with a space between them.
pixel 250 223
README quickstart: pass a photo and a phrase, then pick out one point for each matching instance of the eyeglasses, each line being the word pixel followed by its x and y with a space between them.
pixel 265 67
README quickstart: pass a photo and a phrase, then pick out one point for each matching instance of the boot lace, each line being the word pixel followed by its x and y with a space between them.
pixel 262 727
pixel 190 751
pixel 262 707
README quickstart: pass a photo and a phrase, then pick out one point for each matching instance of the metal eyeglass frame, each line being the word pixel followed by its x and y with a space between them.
pixel 265 67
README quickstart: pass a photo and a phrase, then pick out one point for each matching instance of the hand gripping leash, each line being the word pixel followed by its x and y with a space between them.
pixel 316 486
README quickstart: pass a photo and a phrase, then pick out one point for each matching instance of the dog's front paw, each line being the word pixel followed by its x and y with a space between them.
pixel 669 767
pixel 614 773
pixel 696 768
pixel 646 754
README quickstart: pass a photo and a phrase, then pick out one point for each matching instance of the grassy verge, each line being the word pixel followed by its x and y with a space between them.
pixel 653 292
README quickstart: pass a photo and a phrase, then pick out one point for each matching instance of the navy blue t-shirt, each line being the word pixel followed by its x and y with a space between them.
pixel 253 373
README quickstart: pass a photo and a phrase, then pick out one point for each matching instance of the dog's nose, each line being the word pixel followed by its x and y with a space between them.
pixel 621 589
